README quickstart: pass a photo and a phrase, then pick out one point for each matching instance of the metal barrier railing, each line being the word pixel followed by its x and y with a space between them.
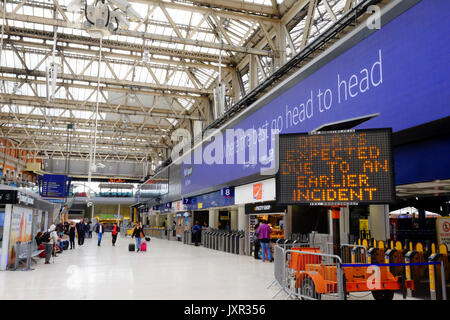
pixel 303 271
pixel 312 275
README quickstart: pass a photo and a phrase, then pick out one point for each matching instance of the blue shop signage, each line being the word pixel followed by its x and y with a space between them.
pixel 210 200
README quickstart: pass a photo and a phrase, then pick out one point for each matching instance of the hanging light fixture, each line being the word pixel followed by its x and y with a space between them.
pixel 105 17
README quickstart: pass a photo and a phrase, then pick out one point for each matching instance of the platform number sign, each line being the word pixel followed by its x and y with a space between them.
pixel 227 192
pixel 346 167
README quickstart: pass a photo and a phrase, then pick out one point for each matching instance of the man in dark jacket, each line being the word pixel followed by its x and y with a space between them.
pixel 257 245
pixel 196 233
pixel 80 232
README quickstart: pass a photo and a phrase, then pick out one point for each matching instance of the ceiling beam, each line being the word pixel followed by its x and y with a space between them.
pixel 108 81
pixel 141 35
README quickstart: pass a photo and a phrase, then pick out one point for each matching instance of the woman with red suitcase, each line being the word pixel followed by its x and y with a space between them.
pixel 139 234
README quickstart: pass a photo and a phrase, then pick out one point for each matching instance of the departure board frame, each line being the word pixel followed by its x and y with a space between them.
pixel 324 182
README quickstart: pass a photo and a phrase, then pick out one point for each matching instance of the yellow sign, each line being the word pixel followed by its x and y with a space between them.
pixel 200 205
pixel 363 224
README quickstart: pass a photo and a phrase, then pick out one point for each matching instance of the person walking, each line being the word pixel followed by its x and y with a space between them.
pixel 100 230
pixel 115 231
pixel 86 230
pixel 138 232
pixel 72 230
pixel 256 243
pixel 196 233
pixel 80 232
pixel 49 239
pixel 89 230
pixel 264 232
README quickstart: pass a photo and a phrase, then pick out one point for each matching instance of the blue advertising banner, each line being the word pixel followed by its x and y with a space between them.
pixel 398 71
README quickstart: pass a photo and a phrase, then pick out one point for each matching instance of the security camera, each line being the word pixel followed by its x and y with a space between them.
pixel 101 165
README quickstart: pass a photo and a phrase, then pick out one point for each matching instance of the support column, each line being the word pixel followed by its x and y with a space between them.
pixel 118 214
pixel 288 223
pixel 281 44
pixel 236 89
pixel 92 212
pixel 213 218
pixel 344 224
pixel 379 222
pixel 234 219
pixel 243 225
pixel 253 72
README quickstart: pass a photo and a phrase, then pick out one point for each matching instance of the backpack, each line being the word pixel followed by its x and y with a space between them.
pixel 45 237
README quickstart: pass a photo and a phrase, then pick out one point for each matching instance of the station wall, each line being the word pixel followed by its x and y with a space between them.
pixel 396 71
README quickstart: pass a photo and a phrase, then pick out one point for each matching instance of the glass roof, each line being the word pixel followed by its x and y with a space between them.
pixel 154 76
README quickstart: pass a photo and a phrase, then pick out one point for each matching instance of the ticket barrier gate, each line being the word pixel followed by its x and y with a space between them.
pixel 203 239
pixel 394 255
pixel 217 240
pixel 228 242
pixel 221 241
pixel 235 247
pixel 375 254
pixel 241 239
pixel 209 239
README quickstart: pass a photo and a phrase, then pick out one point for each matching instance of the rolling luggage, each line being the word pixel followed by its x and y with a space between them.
pixel 42 254
pixel 131 247
pixel 144 246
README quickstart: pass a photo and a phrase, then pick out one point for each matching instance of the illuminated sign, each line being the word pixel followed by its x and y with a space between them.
pixel 227 192
pixel 116 180
pixel 336 167
pixel 257 191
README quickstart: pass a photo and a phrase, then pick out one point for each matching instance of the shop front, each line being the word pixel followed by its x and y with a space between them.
pixel 22 216
pixel 175 225
pixel 256 201
pixel 272 214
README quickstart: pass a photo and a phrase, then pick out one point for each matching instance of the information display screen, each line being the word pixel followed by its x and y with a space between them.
pixel 336 168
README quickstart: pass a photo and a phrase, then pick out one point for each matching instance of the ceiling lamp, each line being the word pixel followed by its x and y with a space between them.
pixel 105 17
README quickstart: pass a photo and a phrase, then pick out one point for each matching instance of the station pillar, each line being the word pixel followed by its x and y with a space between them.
pixel 213 218
pixel 379 222
pixel 233 219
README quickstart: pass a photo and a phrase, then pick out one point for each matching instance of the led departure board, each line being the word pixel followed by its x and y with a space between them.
pixel 336 167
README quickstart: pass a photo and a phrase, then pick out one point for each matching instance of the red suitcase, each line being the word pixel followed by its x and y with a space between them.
pixel 144 246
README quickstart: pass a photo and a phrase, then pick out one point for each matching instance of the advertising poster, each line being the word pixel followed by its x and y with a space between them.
pixel 21 224
pixel 443 230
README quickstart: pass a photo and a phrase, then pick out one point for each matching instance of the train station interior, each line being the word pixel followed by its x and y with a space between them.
pixel 263 150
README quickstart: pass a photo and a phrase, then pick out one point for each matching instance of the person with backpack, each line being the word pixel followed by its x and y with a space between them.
pixel 49 240
pixel 196 233
pixel 72 231
pixel 115 232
